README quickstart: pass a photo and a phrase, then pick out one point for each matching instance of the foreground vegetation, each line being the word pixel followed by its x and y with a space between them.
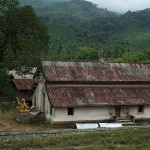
pixel 8 123
pixel 24 41
pixel 122 139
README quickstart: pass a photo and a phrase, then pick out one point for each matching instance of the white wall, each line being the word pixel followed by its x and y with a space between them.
pixel 147 110
pixel 94 113
pixel 133 110
pixel 38 96
pixel 80 114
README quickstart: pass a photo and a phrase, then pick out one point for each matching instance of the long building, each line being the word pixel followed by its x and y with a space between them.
pixel 93 91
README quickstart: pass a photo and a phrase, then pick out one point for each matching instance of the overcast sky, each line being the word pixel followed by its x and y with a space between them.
pixel 122 5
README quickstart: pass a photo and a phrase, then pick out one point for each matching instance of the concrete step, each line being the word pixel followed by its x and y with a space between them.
pixel 124 120
pixel 128 123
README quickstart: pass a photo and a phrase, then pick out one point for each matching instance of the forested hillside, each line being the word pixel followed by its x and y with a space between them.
pixel 77 23
pixel 39 3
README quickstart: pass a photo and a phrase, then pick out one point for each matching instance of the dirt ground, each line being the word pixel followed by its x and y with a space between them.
pixel 14 126
pixel 8 123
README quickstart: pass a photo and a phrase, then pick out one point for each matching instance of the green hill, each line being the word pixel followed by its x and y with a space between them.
pixel 78 23
pixel 72 10
pixel 39 3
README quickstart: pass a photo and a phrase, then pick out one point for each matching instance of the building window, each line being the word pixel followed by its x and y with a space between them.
pixel 141 109
pixel 70 111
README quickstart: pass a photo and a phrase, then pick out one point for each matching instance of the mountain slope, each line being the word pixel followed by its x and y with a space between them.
pixel 39 3
pixel 78 23
pixel 72 10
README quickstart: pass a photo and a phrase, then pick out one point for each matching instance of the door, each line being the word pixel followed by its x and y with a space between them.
pixel 117 111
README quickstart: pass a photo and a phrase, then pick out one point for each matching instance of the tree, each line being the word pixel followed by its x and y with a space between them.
pixel 23 40
pixel 87 54
pixel 64 55
pixel 133 57
pixel 24 35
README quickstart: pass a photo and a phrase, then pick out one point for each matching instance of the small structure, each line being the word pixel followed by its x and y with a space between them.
pixel 26 114
pixel 93 91
pixel 24 89
pixel 24 83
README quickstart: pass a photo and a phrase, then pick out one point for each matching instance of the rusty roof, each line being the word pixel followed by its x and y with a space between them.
pixel 95 71
pixel 97 96
pixel 23 84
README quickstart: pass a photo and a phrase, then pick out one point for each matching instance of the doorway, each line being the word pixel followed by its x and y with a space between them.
pixel 118 112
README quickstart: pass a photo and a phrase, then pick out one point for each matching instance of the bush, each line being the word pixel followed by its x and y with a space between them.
pixel 49 119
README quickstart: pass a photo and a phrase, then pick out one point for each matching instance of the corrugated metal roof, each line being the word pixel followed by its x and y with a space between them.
pixel 95 71
pixel 23 84
pixel 97 96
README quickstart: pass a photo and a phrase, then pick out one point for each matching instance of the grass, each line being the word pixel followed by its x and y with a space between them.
pixel 97 140
pixel 7 116
pixel 8 123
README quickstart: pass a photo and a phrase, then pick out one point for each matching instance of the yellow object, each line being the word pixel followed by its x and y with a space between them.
pixel 22 105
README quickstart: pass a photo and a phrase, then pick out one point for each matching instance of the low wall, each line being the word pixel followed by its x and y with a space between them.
pixel 27 117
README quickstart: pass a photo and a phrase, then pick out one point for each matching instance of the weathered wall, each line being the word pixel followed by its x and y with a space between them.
pixel 147 110
pixel 133 110
pixel 87 113
pixel 38 99
pixel 27 117
pixel 94 113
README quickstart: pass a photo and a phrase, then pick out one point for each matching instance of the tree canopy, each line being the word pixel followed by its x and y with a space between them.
pixel 133 57
pixel 24 40
pixel 87 54
pixel 78 23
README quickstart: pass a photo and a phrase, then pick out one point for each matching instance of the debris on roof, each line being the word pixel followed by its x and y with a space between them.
pixel 24 73
pixel 95 71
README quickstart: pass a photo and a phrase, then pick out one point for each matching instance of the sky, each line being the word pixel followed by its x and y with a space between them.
pixel 122 6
